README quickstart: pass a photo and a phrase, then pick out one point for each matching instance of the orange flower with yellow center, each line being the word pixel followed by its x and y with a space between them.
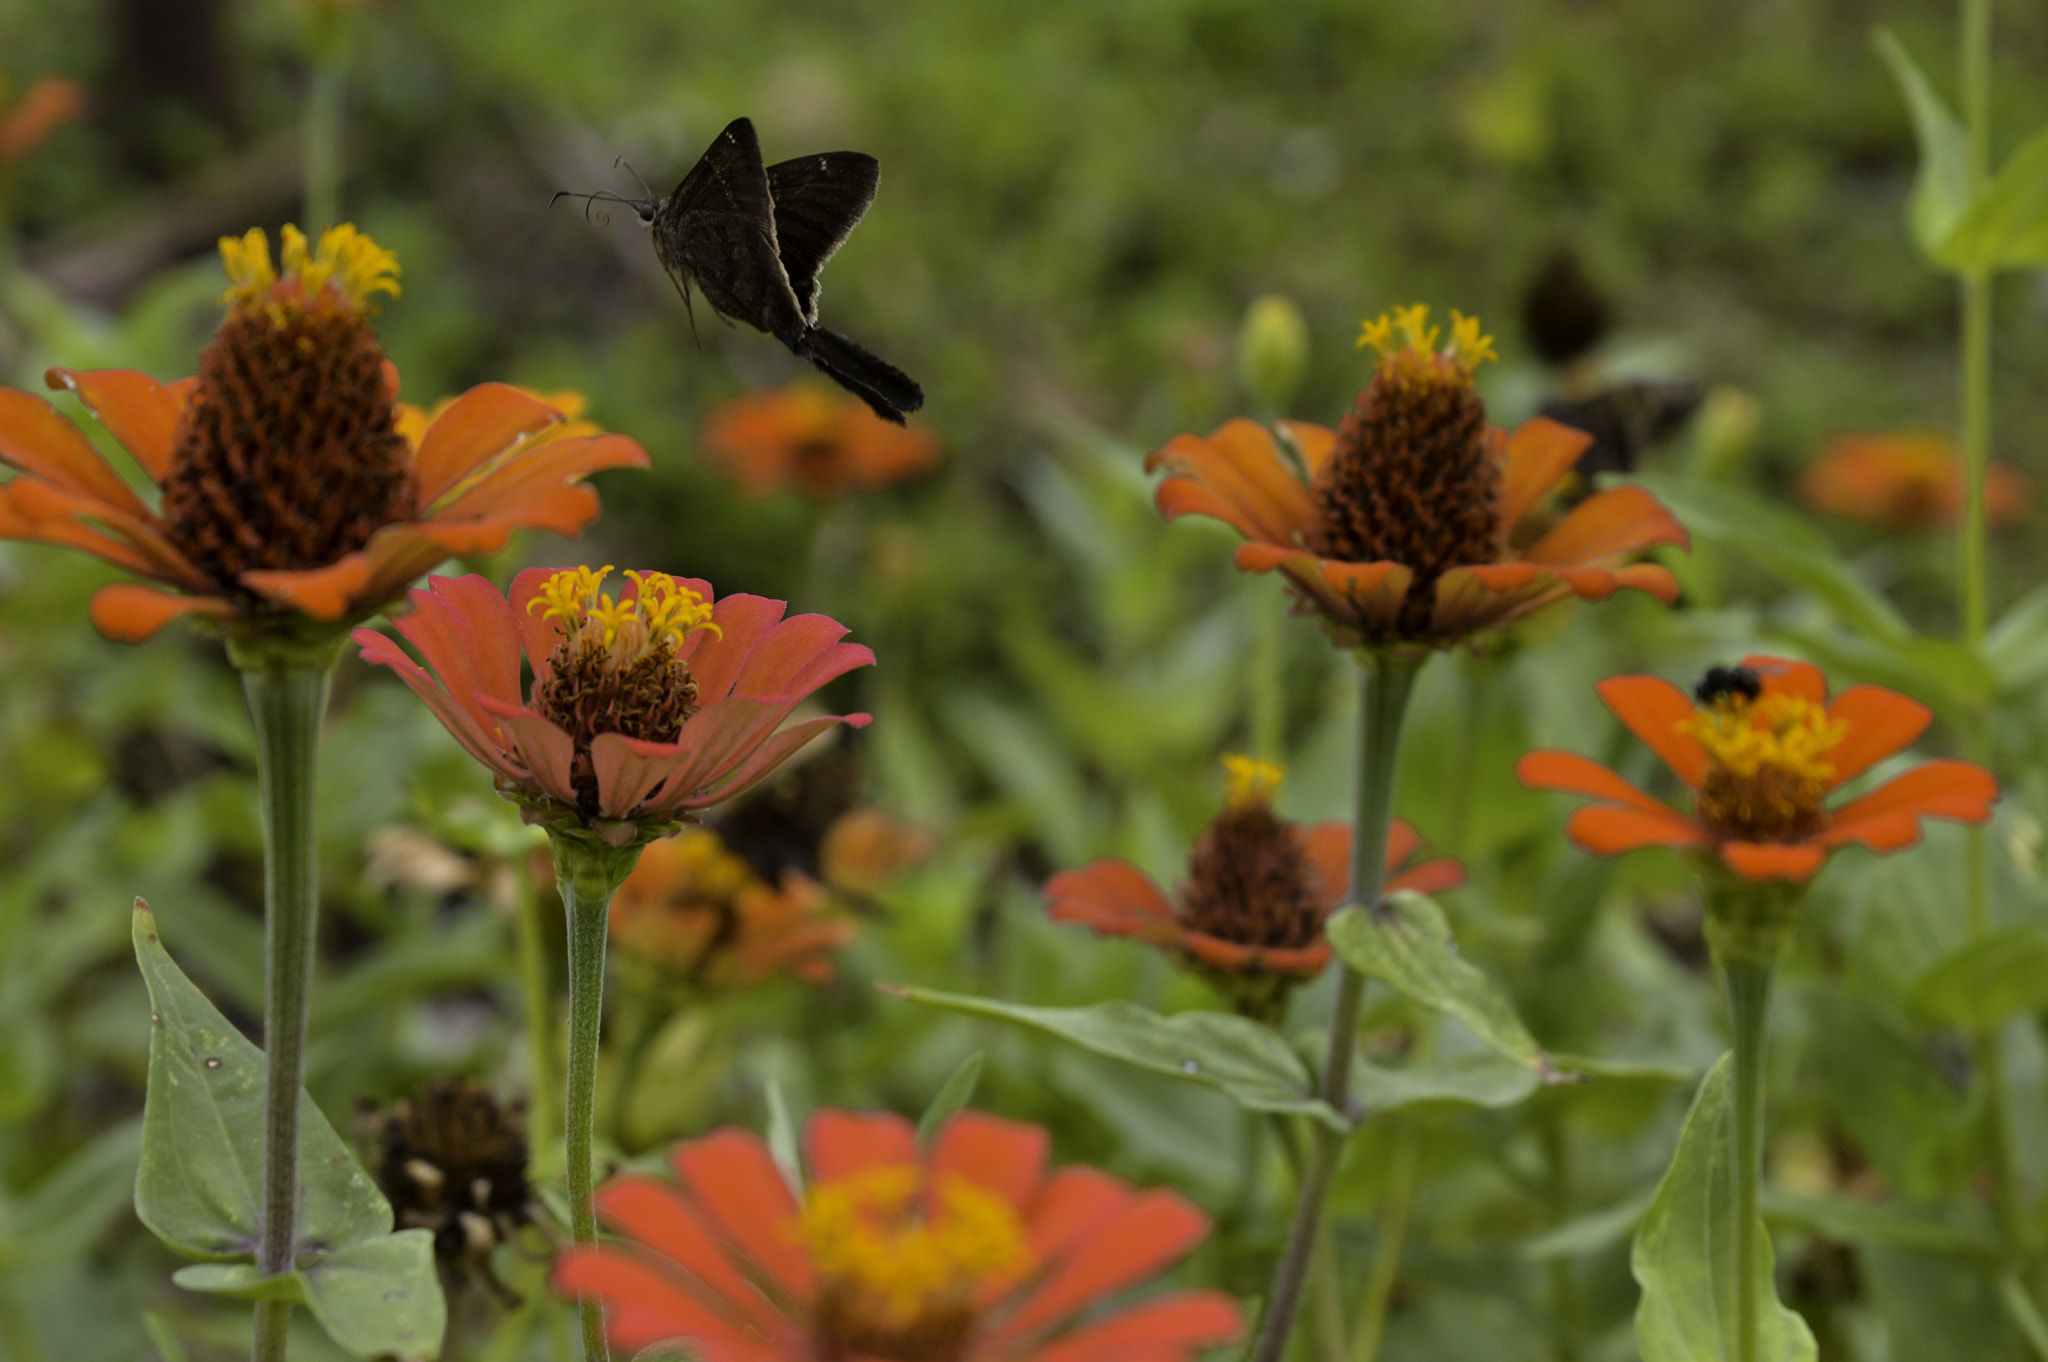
pixel 697 912
pixel 1399 526
pixel 823 444
pixel 1763 748
pixel 294 500
pixel 969 1249
pixel 644 708
pixel 1906 480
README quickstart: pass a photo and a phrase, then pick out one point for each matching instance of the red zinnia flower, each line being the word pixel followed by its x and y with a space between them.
pixel 1251 912
pixel 970 1250
pixel 1399 526
pixel 820 443
pixel 293 498
pixel 643 709
pixel 1762 748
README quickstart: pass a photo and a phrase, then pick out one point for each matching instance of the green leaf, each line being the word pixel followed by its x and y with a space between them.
pixel 1782 543
pixel 2007 226
pixel 1941 189
pixel 1875 1224
pixel 377 1298
pixel 1684 1255
pixel 782 1141
pixel 1593 1232
pixel 1987 979
pixel 1903 1111
pixel 1474 1079
pixel 953 1094
pixel 2017 647
pixel 1246 1062
pixel 1407 943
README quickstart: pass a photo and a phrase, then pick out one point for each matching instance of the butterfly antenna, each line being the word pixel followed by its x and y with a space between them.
pixel 589 200
pixel 622 161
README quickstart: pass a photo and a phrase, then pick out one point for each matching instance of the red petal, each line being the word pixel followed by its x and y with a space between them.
pixel 732 1177
pixel 1114 897
pixel 466 633
pixel 1438 875
pixel 545 750
pixel 643 1307
pixel 1070 1204
pixel 716 659
pixel 1539 452
pixel 127 613
pixel 478 733
pixel 1796 862
pixel 797 656
pixel 537 637
pixel 630 770
pixel 839 1144
pixel 1888 818
pixel 1606 830
pixel 1880 723
pixel 1328 846
pixel 1653 708
pixel 1166 1328
pixel 1154 1230
pixel 137 411
pixel 651 1212
pixel 759 763
pixel 35 438
pixel 483 421
pixel 1233 957
pixel 1003 1157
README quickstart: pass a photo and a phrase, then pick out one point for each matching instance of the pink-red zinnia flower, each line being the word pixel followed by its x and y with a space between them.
pixel 1761 748
pixel 643 709
pixel 968 1250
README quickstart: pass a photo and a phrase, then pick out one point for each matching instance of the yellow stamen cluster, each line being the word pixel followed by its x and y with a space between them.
pixel 1247 780
pixel 1416 345
pixel 661 613
pixel 889 1261
pixel 1768 772
pixel 347 262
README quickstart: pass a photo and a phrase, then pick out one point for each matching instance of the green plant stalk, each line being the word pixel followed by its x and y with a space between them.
pixel 544 1120
pixel 321 147
pixel 1748 983
pixel 589 872
pixel 1327 1296
pixel 1564 1291
pixel 1403 1161
pixel 1267 680
pixel 1387 678
pixel 287 698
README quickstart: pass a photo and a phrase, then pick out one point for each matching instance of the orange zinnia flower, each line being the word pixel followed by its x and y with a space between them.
pixel 820 443
pixel 293 500
pixel 1762 748
pixel 699 913
pixel 1399 526
pixel 1251 912
pixel 49 104
pixel 1906 480
pixel 643 709
pixel 968 1250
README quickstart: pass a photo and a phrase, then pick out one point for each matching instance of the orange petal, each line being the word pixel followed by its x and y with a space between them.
pixel 37 439
pixel 1478 596
pixel 534 485
pixel 1162 1329
pixel 1438 875
pixel 1153 1231
pixel 1539 452
pixel 127 613
pixel 1654 578
pixel 484 421
pixel 1313 441
pixel 839 1144
pixel 1550 769
pixel 1773 860
pixel 1888 818
pixel 1607 525
pixel 137 410
pixel 1403 841
pixel 1787 676
pixel 1245 479
pixel 999 1156
pixel 1880 722
pixel 1609 830
pixel 1115 898
pixel 1234 957
pixel 1653 708
pixel 328 593
pixel 1328 846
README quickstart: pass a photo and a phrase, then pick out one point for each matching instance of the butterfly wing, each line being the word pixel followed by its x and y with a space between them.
pixel 718 230
pixel 818 200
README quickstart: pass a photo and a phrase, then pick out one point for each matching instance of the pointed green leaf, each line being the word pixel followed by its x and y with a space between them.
pixel 202 1132
pixel 953 1094
pixel 2017 648
pixel 1684 1255
pixel 1407 943
pixel 1248 1063
pixel 378 1298
pixel 782 1141
pixel 2006 227
pixel 1475 1079
pixel 1941 189
pixel 1990 977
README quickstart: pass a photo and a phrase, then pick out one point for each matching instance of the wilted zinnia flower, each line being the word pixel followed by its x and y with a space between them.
pixel 969 1250
pixel 803 438
pixel 1906 480
pixel 643 709
pixel 1398 527
pixel 700 914
pixel 1250 914
pixel 1762 747
pixel 453 1160
pixel 293 503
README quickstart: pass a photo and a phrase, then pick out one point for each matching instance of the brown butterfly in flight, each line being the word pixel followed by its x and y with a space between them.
pixel 752 238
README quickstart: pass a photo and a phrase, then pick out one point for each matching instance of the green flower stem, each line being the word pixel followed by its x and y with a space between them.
pixel 589 872
pixel 1267 677
pixel 1749 1010
pixel 1403 1161
pixel 544 1119
pixel 1386 680
pixel 329 45
pixel 1327 1296
pixel 287 697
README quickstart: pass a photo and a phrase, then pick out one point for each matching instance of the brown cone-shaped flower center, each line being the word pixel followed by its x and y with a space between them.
pixel 1411 481
pixel 590 690
pixel 287 455
pixel 1249 882
pixel 453 1160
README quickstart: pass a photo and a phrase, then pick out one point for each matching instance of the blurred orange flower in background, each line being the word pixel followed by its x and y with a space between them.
pixel 1906 480
pixel 806 439
pixel 294 497
pixel 699 913
pixel 49 104
pixel 969 1249
pixel 1762 747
